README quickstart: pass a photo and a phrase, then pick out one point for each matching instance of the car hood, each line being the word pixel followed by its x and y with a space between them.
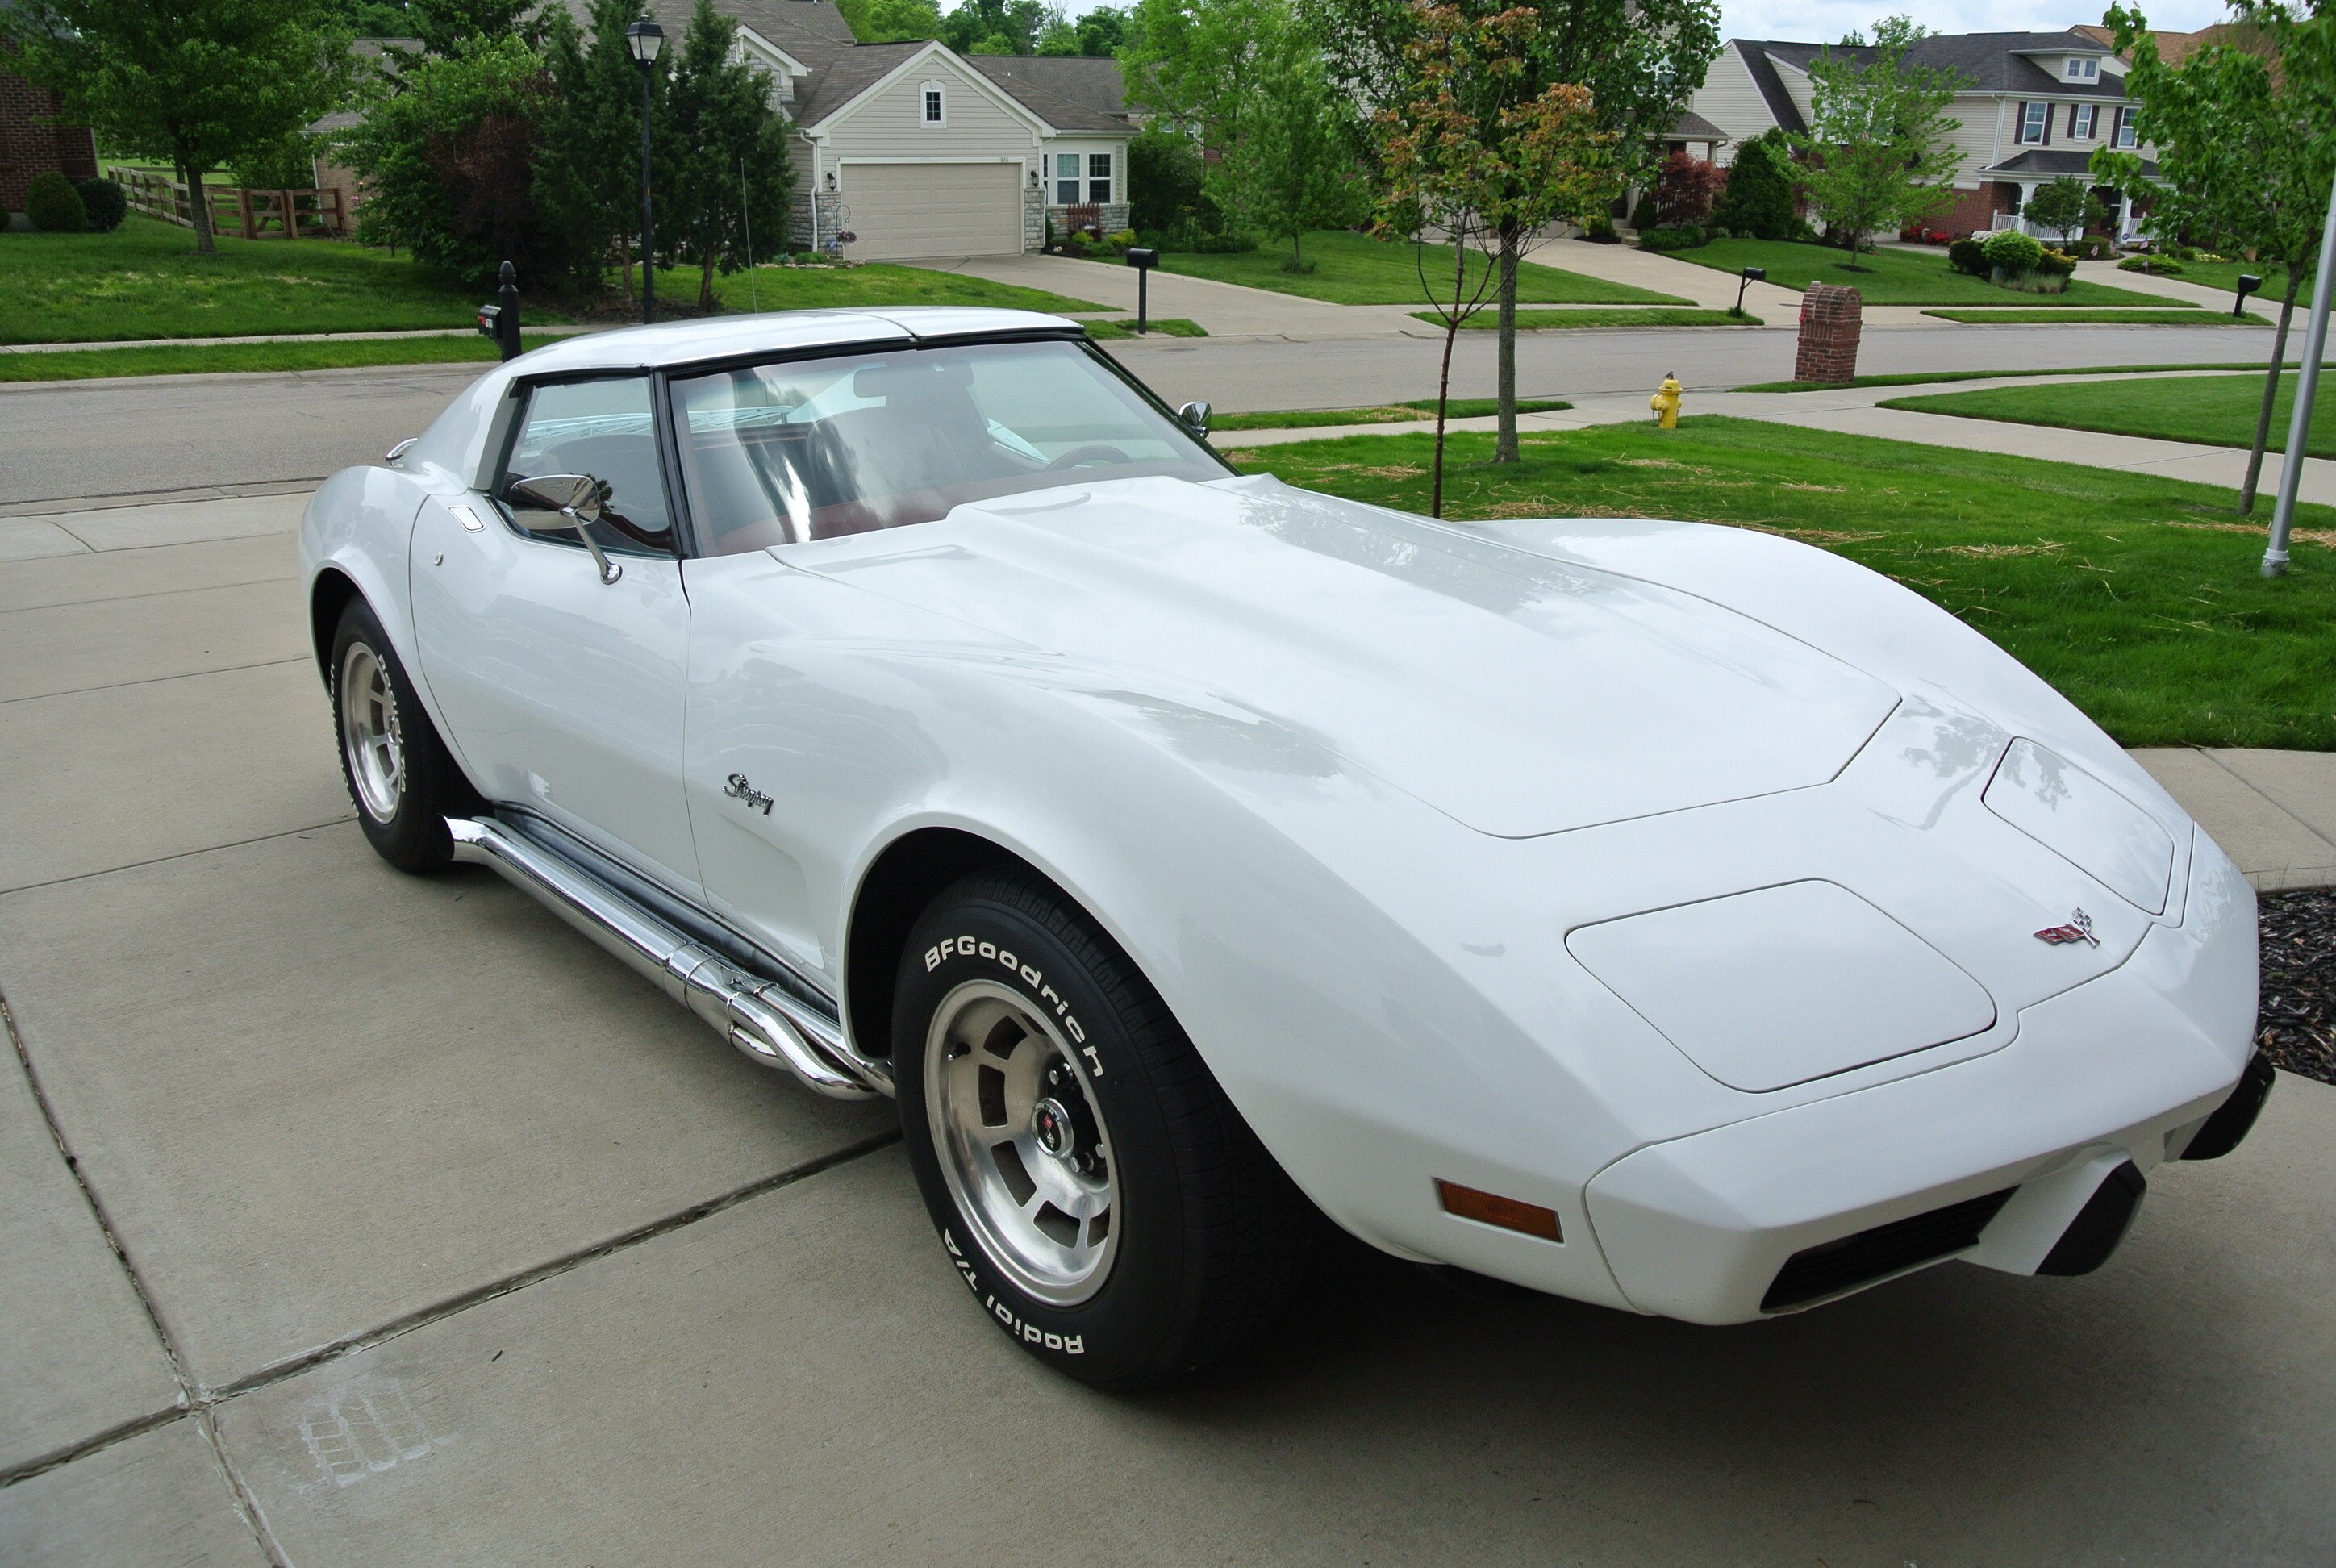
pixel 1518 694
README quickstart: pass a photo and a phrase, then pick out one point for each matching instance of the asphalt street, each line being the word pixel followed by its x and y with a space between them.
pixel 174 434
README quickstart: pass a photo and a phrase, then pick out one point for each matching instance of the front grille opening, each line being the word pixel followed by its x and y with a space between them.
pixel 1832 1267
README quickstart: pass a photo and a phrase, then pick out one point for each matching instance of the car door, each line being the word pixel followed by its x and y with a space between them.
pixel 561 684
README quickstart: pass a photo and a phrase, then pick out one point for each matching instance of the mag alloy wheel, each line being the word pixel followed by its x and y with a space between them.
pixel 371 739
pixel 1021 1142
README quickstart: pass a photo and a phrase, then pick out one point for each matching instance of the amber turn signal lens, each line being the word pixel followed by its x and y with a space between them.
pixel 1492 1209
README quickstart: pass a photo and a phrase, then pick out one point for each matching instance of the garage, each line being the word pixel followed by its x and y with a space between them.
pixel 904 211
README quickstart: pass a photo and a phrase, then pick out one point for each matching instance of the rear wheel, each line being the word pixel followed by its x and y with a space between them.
pixel 401 779
pixel 1105 1204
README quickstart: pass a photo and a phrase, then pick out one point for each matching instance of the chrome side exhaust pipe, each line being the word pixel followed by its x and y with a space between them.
pixel 752 1014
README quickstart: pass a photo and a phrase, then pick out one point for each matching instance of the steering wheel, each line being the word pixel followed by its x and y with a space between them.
pixel 1080 456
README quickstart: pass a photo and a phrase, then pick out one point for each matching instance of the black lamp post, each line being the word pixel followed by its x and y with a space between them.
pixel 645 38
pixel 1752 275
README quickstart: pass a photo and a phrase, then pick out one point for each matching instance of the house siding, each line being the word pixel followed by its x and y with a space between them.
pixel 1796 88
pixel 888 124
pixel 1730 100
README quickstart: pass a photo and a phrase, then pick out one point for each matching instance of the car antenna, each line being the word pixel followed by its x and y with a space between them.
pixel 746 216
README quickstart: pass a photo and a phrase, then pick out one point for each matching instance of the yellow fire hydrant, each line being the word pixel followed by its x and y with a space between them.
pixel 1666 403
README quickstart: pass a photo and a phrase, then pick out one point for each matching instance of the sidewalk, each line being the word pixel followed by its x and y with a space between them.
pixel 1853 411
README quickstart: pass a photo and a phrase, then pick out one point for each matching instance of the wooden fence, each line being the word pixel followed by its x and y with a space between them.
pixel 238 213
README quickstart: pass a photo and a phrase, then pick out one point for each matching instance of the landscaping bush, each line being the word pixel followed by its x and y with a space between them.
pixel 1968 256
pixel 2155 266
pixel 1687 190
pixel 1662 239
pixel 1647 215
pixel 2012 252
pixel 54 206
pixel 1601 231
pixel 1758 203
pixel 2056 263
pixel 105 202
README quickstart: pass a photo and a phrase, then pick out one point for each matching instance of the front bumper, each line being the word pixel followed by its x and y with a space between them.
pixel 2123 1070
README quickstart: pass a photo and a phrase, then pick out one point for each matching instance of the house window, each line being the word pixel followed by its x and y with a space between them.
pixel 2125 136
pixel 2081 69
pixel 1098 178
pixel 2033 118
pixel 2080 120
pixel 934 109
pixel 1067 179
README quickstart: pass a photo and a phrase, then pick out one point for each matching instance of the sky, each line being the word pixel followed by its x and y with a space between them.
pixel 1824 21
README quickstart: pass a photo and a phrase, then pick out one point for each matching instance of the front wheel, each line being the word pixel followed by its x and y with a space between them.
pixel 401 779
pixel 1104 1204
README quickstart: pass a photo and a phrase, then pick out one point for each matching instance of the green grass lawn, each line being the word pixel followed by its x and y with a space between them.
pixel 1159 326
pixel 2218 410
pixel 1580 320
pixel 2224 276
pixel 1891 277
pixel 2138 596
pixel 1919 377
pixel 1385 414
pixel 1351 269
pixel 200 358
pixel 145 280
pixel 2080 316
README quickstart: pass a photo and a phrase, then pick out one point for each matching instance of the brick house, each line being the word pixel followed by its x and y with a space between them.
pixel 2032 108
pixel 31 143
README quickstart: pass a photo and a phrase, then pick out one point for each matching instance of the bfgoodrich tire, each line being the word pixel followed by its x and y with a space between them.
pixel 1104 1204
pixel 400 776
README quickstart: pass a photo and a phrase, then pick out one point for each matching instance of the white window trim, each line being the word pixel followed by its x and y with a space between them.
pixel 2125 136
pixel 1110 176
pixel 2037 117
pixel 928 90
pixel 2081 69
pixel 2086 120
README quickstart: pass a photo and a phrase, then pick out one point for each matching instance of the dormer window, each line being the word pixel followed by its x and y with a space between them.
pixel 2085 70
pixel 934 109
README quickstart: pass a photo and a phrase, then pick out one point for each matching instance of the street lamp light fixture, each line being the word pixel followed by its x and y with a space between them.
pixel 644 38
pixel 1752 275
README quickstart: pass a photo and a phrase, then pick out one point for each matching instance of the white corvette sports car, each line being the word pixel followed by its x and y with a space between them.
pixel 1670 917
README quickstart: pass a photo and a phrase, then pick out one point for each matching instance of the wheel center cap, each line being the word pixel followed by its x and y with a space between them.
pixel 1052 1124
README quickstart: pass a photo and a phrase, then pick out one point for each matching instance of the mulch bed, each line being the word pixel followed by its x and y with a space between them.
pixel 2298 1025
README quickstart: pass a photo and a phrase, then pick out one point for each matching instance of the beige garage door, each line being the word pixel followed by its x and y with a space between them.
pixel 901 210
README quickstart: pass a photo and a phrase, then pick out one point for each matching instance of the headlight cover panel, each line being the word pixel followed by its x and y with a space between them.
pixel 2085 822
pixel 1778 986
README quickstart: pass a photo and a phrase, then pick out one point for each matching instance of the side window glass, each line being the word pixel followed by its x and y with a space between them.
pixel 605 429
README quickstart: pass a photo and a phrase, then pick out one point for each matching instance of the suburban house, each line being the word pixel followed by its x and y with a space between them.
pixel 921 151
pixel 2033 106
pixel 33 143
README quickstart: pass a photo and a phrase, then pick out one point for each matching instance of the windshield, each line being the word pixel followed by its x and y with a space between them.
pixel 810 449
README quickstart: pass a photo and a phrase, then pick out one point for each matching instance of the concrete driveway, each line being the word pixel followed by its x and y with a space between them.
pixel 352 1218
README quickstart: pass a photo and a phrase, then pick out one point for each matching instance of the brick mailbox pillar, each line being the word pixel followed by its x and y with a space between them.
pixel 1831 318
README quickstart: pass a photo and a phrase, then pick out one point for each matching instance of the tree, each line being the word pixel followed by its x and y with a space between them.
pixel 1878 154
pixel 733 179
pixel 894 21
pixel 1686 189
pixel 2245 147
pixel 198 83
pixel 1471 145
pixel 1165 184
pixel 1639 60
pixel 2065 205
pixel 1193 61
pixel 1104 32
pixel 994 26
pixel 1758 201
pixel 1291 166
pixel 444 24
pixel 449 159
pixel 588 178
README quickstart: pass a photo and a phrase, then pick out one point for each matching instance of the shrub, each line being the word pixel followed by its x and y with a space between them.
pixel 1661 239
pixel 1646 214
pixel 1686 189
pixel 54 206
pixel 1601 231
pixel 2056 263
pixel 1758 203
pixel 1969 256
pixel 2011 252
pixel 1120 240
pixel 2155 266
pixel 105 203
pixel 1164 175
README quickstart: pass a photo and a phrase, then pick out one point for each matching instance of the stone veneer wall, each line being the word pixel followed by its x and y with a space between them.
pixel 1110 216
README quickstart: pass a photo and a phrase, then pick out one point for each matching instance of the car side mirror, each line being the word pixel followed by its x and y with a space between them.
pixel 563 503
pixel 1196 416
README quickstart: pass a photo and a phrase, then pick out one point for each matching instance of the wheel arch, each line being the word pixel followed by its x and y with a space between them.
pixel 328 598
pixel 900 884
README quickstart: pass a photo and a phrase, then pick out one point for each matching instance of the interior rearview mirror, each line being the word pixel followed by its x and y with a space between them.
pixel 563 503
pixel 1196 416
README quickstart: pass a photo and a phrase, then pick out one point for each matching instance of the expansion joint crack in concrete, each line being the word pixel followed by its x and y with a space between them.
pixel 182 855
pixel 239 1496
pixel 155 593
pixel 152 679
pixel 2252 788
